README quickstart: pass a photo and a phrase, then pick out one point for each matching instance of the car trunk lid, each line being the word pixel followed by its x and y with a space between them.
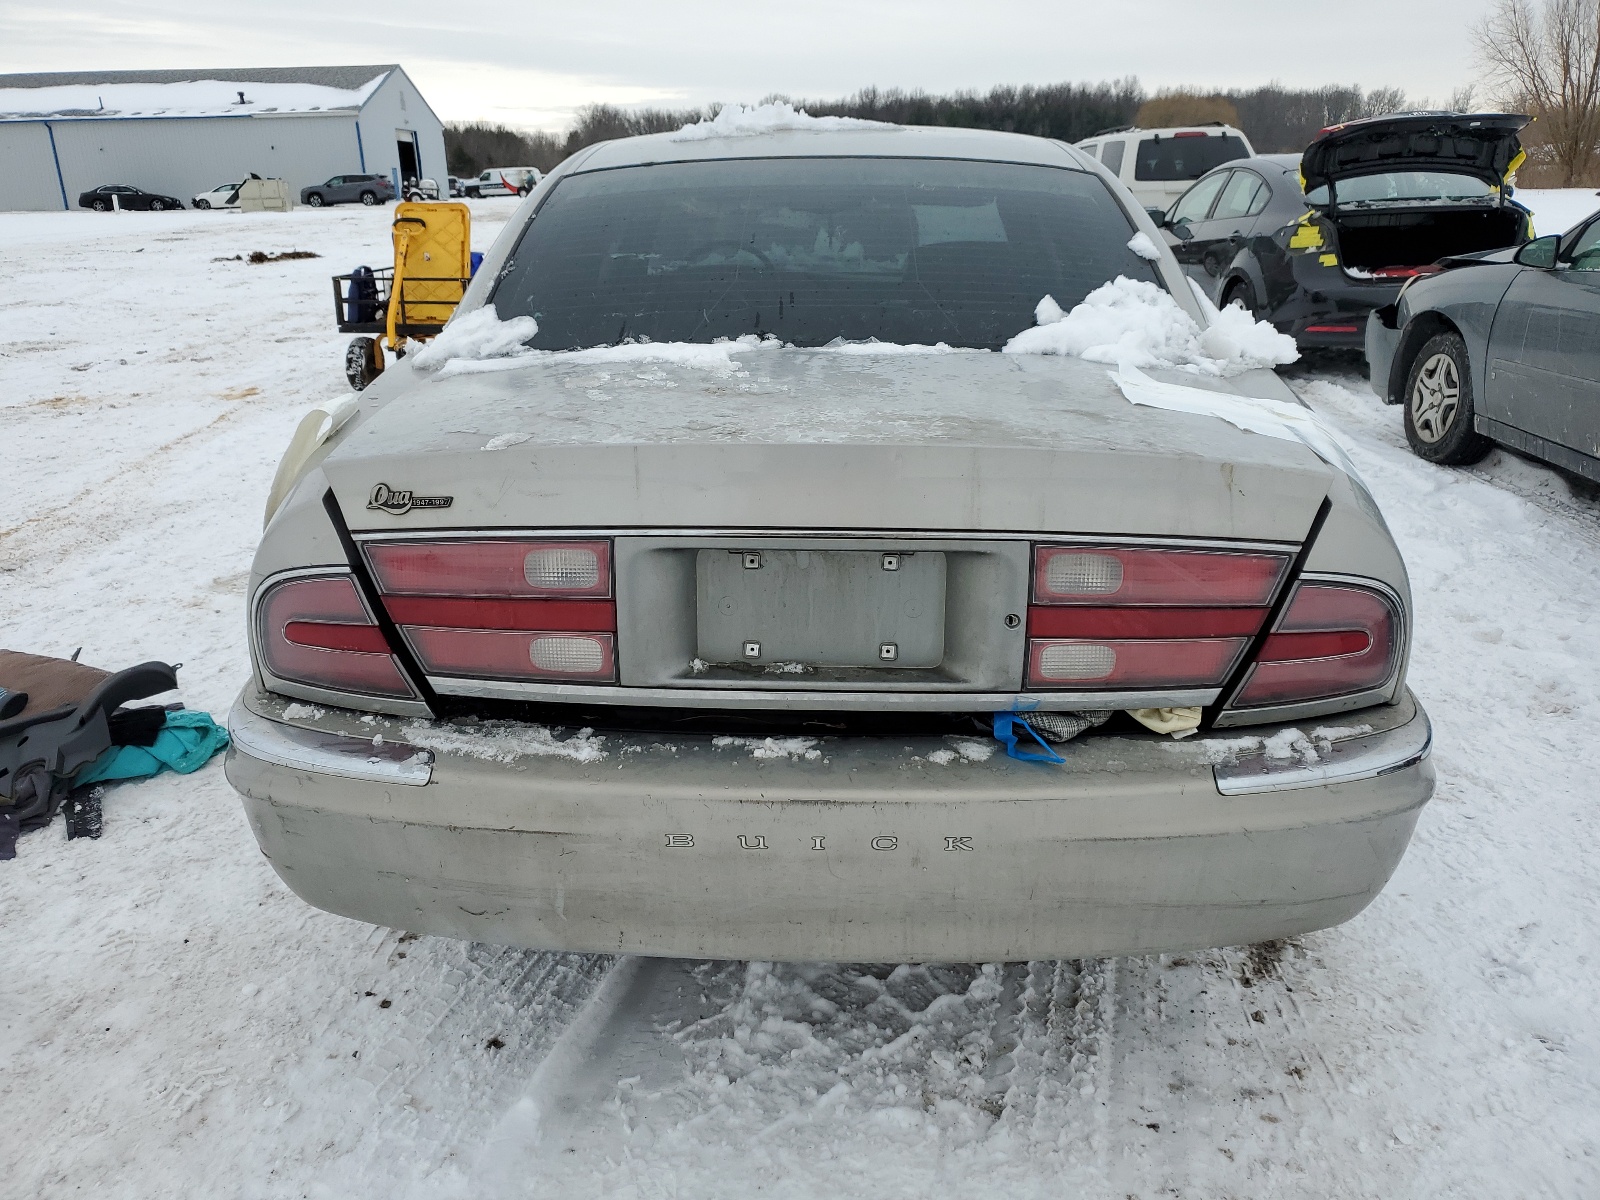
pixel 1482 145
pixel 818 440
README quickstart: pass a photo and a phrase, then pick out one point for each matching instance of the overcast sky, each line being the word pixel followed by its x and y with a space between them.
pixel 532 64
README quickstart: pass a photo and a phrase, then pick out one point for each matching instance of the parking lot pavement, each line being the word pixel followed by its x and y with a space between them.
pixel 174 1022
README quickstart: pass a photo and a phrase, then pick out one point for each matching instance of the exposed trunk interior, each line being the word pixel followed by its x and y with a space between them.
pixel 1370 240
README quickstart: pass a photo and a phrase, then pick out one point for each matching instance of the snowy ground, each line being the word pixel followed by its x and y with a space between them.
pixel 174 1023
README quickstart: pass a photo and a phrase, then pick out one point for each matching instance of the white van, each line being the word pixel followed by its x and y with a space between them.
pixel 1158 165
pixel 503 181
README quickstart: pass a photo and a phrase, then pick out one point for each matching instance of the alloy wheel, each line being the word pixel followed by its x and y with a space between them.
pixel 1436 398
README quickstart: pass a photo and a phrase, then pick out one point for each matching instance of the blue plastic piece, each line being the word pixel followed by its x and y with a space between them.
pixel 1005 724
pixel 477 261
pixel 186 743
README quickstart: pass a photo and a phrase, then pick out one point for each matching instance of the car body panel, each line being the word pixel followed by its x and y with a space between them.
pixel 1544 358
pixel 979 441
pixel 689 845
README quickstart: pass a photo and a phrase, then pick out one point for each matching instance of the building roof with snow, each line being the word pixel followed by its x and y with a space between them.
pixel 221 92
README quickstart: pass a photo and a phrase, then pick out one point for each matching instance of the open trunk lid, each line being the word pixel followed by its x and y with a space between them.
pixel 1482 145
pixel 814 440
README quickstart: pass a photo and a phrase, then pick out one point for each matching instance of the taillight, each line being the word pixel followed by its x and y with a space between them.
pixel 510 609
pixel 1121 617
pixel 492 568
pixel 1123 575
pixel 1334 639
pixel 317 631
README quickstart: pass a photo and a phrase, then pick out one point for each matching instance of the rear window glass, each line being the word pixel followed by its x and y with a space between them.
pixel 813 249
pixel 1174 158
pixel 1404 185
pixel 1111 156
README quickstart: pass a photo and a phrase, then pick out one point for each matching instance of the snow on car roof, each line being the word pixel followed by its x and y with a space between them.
pixel 195 97
pixel 754 135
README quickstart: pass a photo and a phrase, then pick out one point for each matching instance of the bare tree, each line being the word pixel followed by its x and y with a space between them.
pixel 1545 57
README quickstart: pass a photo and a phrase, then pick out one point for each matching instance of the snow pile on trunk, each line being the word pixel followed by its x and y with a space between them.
pixel 1134 323
pixel 481 342
pixel 738 121
pixel 478 336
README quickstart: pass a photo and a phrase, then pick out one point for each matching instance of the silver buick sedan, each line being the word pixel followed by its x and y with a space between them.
pixel 727 591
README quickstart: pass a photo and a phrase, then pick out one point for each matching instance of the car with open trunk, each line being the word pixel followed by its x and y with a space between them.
pixel 1314 243
pixel 682 612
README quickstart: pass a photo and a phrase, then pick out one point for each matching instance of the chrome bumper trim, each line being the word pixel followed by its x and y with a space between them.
pixel 327 753
pixel 1345 761
pixel 803 696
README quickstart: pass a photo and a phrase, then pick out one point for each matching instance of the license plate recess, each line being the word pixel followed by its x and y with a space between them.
pixel 821 608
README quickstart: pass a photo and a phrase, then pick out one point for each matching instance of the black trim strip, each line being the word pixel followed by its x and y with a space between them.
pixel 369 590
pixel 1296 569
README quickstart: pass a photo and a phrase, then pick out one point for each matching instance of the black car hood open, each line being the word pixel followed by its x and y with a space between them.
pixel 1482 145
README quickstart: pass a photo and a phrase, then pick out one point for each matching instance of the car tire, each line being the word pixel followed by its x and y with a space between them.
pixel 314 200
pixel 1438 404
pixel 369 198
pixel 202 204
pixel 158 205
pixel 363 362
pixel 99 205
pixel 1240 290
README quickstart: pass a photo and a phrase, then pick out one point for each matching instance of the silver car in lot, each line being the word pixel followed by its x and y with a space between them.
pixel 618 649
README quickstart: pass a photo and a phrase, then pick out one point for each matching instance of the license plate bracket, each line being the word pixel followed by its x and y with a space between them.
pixel 821 608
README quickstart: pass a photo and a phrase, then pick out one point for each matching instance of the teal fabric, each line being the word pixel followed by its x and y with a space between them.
pixel 186 743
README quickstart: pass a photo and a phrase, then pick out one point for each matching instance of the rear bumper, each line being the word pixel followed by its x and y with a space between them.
pixel 869 849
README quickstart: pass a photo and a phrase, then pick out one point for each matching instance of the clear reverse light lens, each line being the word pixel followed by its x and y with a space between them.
pixel 567 655
pixel 564 568
pixel 1083 574
pixel 1077 661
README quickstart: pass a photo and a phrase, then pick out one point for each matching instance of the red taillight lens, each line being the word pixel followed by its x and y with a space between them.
pixel 1121 575
pixel 510 609
pixel 1120 617
pixel 1334 640
pixel 317 632
pixel 492 568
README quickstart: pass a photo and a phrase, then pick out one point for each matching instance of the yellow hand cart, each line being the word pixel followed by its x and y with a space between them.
pixel 411 300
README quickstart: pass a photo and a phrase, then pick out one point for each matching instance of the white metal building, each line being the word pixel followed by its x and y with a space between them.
pixel 182 132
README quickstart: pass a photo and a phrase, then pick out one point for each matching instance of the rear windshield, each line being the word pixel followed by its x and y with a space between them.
pixel 813 249
pixel 1186 156
pixel 1404 185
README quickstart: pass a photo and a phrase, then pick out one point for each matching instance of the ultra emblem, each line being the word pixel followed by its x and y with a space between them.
pixel 397 502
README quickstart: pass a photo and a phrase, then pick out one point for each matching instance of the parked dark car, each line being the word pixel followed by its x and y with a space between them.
pixel 120 195
pixel 1384 198
pixel 349 189
pixel 1500 347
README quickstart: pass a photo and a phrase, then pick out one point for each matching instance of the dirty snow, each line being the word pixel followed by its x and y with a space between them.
pixel 175 1022
pixel 1139 324
pixel 783 747
pixel 505 741
pixel 738 121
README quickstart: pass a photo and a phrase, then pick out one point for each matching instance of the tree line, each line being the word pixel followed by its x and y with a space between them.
pixel 1276 119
